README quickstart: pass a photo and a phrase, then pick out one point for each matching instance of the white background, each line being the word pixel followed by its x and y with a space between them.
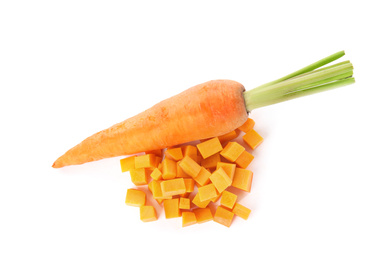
pixel 71 68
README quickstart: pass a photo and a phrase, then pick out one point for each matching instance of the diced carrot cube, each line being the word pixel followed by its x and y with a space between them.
pixel 228 137
pixel 145 161
pixel 191 151
pixel 229 168
pixel 136 198
pixel 244 159
pixel 171 208
pixel 174 154
pixel 211 161
pixel 127 163
pixel 253 139
pixel 232 151
pixel 203 177
pixel 220 180
pixel 173 187
pixel 243 179
pixel 203 215
pixel 156 174
pixel 209 147
pixel 223 216
pixel 138 176
pixel 190 184
pixel 188 218
pixel 157 152
pixel 207 192
pixel 169 169
pixel 184 203
pixel 241 211
pixel 148 213
pixel 200 204
pixel 157 192
pixel 189 166
pixel 228 199
pixel 248 125
pixel 180 173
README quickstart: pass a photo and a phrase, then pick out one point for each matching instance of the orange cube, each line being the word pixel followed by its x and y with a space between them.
pixel 138 176
pixel 173 187
pixel 228 199
pixel 189 166
pixel 229 168
pixel 156 174
pixel 223 216
pixel 190 184
pixel 148 213
pixel 209 147
pixel 211 161
pixel 232 151
pixel 145 161
pixel 157 192
pixel 203 177
pixel 171 208
pixel 244 159
pixel 184 203
pixel 248 125
pixel 207 192
pixel 169 169
pixel 127 163
pixel 136 198
pixel 241 211
pixel 229 136
pixel 253 139
pixel 220 180
pixel 243 179
pixel 190 151
pixel 203 215
pixel 188 218
pixel 198 203
pixel 174 154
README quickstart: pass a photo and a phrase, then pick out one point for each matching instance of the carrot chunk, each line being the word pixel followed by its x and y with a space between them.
pixel 145 161
pixel 173 187
pixel 220 180
pixel 190 184
pixel 138 176
pixel 189 166
pixel 127 163
pixel 243 179
pixel 171 208
pixel 207 192
pixel 228 199
pixel 157 192
pixel 184 203
pixel 232 151
pixel 229 168
pixel 248 125
pixel 201 204
pixel 223 216
pixel 203 215
pixel 211 161
pixel 253 139
pixel 191 151
pixel 241 211
pixel 148 213
pixel 209 147
pixel 244 159
pixel 174 154
pixel 203 177
pixel 188 218
pixel 136 198
pixel 229 136
pixel 156 174
pixel 169 169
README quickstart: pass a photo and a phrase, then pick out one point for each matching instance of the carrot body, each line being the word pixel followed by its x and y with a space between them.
pixel 206 110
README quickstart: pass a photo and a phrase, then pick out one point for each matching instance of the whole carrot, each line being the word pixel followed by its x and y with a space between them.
pixel 203 111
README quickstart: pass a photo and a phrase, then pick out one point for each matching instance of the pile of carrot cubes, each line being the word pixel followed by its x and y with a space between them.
pixel 186 179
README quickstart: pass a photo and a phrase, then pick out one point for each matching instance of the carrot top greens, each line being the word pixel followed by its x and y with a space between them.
pixel 308 80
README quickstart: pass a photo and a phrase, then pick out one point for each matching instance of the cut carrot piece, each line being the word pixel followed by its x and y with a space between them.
pixel 220 180
pixel 136 198
pixel 189 166
pixel 145 161
pixel 173 187
pixel 244 159
pixel 248 125
pixel 211 161
pixel 138 176
pixel 184 203
pixel 229 168
pixel 253 139
pixel 203 177
pixel 169 169
pixel 210 147
pixel 157 192
pixel 228 199
pixel 180 173
pixel 243 179
pixel 188 219
pixel 156 174
pixel 190 184
pixel 223 216
pixel 241 211
pixel 148 213
pixel 207 192
pixel 174 154
pixel 127 163
pixel 191 151
pixel 232 151
pixel 228 137
pixel 171 208
pixel 203 215
pixel 200 204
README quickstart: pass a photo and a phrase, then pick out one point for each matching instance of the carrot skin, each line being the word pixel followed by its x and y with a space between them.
pixel 206 110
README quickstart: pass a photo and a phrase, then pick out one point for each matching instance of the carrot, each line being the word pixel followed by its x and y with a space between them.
pixel 208 110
